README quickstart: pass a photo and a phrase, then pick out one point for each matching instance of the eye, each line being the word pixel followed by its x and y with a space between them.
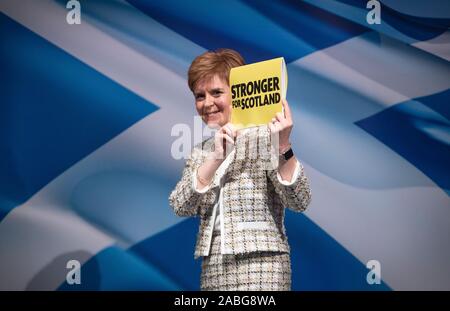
pixel 199 97
pixel 217 93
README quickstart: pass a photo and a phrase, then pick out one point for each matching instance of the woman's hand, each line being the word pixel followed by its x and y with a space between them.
pixel 224 141
pixel 282 125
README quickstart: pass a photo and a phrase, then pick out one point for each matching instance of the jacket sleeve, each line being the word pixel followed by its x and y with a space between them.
pixel 185 200
pixel 295 194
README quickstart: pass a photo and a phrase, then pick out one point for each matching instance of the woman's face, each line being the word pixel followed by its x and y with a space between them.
pixel 213 101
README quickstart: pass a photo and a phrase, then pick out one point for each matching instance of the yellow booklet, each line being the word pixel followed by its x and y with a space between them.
pixel 256 92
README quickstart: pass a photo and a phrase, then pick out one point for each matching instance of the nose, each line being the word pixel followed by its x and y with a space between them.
pixel 209 100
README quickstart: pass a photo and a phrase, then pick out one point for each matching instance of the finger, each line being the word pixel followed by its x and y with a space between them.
pixel 275 127
pixel 228 138
pixel 232 128
pixel 278 126
pixel 287 110
pixel 279 116
pixel 227 130
pixel 229 125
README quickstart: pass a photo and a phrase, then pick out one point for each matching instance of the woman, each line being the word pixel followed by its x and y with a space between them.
pixel 240 202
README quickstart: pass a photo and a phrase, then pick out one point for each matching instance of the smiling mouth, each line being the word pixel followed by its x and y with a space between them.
pixel 211 113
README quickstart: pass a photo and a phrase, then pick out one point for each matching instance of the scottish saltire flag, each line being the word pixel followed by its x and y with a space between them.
pixel 86 118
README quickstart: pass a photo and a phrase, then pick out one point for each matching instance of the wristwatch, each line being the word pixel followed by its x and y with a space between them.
pixel 287 154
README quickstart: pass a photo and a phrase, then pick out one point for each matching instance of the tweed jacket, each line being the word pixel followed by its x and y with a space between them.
pixel 252 197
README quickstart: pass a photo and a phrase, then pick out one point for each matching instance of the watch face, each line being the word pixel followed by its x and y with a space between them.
pixel 288 154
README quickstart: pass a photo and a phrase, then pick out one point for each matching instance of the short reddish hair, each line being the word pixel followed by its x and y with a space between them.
pixel 213 63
